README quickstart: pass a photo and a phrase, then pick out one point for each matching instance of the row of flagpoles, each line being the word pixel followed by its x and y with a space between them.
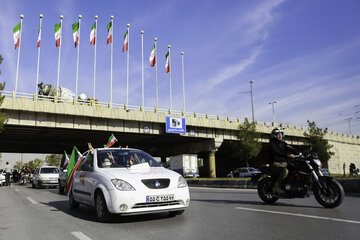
pixel 93 41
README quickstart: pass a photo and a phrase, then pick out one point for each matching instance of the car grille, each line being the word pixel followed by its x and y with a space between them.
pixel 156 204
pixel 156 183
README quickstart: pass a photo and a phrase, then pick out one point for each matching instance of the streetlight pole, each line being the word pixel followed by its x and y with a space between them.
pixel 252 99
pixel 273 111
pixel 348 119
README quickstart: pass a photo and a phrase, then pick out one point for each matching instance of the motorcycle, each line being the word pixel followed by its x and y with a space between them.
pixel 23 179
pixel 304 174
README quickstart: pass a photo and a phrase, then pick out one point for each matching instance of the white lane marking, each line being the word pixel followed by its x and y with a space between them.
pixel 31 200
pixel 299 215
pixel 80 236
pixel 17 190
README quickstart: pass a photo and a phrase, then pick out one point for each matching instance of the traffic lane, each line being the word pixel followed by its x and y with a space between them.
pixel 253 224
pixel 212 214
pixel 349 209
pixel 23 217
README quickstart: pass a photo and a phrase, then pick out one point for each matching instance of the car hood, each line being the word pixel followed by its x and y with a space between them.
pixel 143 171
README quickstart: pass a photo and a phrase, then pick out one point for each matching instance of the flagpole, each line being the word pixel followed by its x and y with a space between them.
pixel 111 71
pixel 77 62
pixel 96 17
pixel 18 59
pixel 156 76
pixel 142 68
pixel 127 66
pixel 169 46
pixel 58 75
pixel 183 79
pixel 38 60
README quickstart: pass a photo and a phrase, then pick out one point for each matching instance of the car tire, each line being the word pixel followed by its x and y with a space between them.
pixel 61 189
pixel 33 185
pixel 73 204
pixel 102 212
pixel 174 213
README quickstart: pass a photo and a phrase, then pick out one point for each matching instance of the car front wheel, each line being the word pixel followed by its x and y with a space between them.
pixel 73 204
pixel 102 212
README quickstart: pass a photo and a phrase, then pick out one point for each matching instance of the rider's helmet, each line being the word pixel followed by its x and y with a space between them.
pixel 275 132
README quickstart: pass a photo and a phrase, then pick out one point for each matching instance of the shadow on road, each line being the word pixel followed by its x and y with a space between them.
pixel 88 213
pixel 258 203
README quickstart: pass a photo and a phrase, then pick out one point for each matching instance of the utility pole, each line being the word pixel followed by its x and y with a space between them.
pixel 273 111
pixel 252 99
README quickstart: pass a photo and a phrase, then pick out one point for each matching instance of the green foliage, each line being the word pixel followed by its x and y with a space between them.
pixel 249 146
pixel 315 139
pixel 3 117
pixel 17 165
pixel 53 160
pixel 35 163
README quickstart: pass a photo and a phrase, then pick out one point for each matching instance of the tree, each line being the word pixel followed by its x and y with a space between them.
pixel 315 139
pixel 37 162
pixel 53 159
pixel 249 146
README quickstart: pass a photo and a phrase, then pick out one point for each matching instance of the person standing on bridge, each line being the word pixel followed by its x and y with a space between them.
pixel 7 170
pixel 280 151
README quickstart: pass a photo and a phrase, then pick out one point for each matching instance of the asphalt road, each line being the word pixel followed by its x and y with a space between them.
pixel 27 213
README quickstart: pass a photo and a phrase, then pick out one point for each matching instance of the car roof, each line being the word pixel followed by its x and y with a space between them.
pixel 48 167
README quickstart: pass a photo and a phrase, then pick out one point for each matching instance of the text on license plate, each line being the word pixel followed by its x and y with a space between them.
pixel 159 198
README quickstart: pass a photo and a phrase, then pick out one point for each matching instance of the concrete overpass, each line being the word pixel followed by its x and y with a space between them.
pixel 44 126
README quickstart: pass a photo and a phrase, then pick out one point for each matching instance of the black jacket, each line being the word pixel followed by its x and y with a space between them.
pixel 279 150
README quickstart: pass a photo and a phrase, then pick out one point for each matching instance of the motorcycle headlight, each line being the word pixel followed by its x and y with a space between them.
pixel 122 185
pixel 182 182
pixel 318 162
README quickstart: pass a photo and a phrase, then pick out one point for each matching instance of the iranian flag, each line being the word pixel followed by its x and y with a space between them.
pixel 73 166
pixel 112 140
pixel 93 35
pixel 110 33
pixel 167 65
pixel 39 36
pixel 76 33
pixel 64 160
pixel 58 34
pixel 126 42
pixel 16 32
pixel 152 57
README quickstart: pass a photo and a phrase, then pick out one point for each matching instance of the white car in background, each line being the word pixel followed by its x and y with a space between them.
pixel 45 176
pixel 127 182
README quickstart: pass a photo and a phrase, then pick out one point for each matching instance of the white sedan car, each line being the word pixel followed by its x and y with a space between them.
pixel 127 182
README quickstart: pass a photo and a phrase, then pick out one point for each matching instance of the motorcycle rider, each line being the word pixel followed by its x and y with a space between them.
pixel 280 151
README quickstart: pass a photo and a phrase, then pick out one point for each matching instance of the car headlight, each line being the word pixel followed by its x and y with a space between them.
pixel 122 185
pixel 182 182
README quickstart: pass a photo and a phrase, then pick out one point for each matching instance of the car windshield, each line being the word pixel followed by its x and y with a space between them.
pixel 122 158
pixel 49 170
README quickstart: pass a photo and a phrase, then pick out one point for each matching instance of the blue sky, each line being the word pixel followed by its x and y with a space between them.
pixel 302 54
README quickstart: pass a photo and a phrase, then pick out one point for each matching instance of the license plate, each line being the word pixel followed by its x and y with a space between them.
pixel 159 198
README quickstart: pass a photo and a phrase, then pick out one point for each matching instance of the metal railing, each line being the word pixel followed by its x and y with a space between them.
pixel 96 103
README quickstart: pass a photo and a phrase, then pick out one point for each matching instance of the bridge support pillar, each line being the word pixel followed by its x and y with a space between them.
pixel 213 147
pixel 212 164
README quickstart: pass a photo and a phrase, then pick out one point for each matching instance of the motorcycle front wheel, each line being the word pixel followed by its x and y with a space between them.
pixel 331 197
pixel 265 190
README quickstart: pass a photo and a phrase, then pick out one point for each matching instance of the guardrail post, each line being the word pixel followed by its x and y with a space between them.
pixel 195 115
pixel 207 116
pixel 109 105
pixel 13 94
pixel 125 107
pixel 34 97
pixel 156 110
pixel 182 113
pixel 74 101
pixel 218 117
pixel 170 111
pixel 141 108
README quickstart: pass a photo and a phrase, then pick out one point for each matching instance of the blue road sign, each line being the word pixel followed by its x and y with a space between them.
pixel 175 125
